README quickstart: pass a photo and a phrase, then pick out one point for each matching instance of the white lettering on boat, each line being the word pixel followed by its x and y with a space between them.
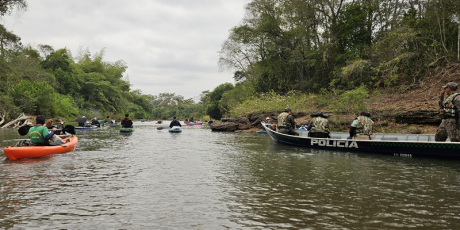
pixel 332 143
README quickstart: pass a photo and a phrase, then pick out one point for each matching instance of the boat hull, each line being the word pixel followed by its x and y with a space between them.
pixel 16 153
pixel 126 130
pixel 426 148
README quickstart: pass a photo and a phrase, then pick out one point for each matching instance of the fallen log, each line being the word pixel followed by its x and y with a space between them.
pixel 15 121
pixel 3 118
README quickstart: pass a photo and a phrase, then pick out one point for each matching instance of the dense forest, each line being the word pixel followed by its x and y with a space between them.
pixel 341 49
pixel 308 45
pixel 329 48
pixel 42 80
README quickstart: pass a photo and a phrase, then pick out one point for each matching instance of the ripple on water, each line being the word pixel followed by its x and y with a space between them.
pixel 209 180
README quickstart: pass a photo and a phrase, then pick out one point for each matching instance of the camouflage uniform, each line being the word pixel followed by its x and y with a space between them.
pixel 320 125
pixel 364 126
pixel 450 127
pixel 286 124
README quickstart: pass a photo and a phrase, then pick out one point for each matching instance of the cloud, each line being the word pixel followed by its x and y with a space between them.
pixel 169 45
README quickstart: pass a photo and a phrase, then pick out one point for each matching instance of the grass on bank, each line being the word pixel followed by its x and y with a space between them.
pixel 353 101
pixel 343 106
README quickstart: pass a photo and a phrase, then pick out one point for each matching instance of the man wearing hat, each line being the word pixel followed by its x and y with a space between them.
pixel 286 123
pixel 268 121
pixel 318 126
pixel 361 127
pixel 450 126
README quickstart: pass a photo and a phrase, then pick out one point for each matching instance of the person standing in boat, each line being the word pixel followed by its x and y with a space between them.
pixel 286 123
pixel 174 122
pixel 361 127
pixel 39 134
pixel 450 127
pixel 319 126
pixel 126 122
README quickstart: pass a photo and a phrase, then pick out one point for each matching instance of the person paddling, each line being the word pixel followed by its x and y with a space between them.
pixel 174 122
pixel 39 135
pixel 127 122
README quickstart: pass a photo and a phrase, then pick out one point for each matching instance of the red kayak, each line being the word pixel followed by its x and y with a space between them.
pixel 15 153
pixel 193 123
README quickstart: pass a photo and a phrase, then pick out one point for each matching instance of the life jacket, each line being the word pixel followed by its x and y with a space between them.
pixel 282 119
pixel 319 125
pixel 448 106
pixel 126 122
pixel 365 125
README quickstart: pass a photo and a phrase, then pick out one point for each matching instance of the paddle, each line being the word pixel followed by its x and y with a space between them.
pixel 81 120
pixel 160 128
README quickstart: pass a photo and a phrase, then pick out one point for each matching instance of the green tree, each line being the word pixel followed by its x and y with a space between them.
pixel 214 109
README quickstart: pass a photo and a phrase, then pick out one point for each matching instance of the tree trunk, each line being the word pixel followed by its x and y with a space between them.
pixel 458 44
pixel 15 121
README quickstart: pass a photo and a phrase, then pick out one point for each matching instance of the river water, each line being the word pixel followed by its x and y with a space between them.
pixel 199 179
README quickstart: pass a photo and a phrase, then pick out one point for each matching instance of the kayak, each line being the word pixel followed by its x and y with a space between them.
pixel 175 129
pixel 15 153
pixel 193 123
pixel 126 130
pixel 91 127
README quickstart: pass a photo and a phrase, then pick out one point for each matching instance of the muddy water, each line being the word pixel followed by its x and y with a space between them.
pixel 200 179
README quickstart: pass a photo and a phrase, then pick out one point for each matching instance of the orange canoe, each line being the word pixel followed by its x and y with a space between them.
pixel 15 153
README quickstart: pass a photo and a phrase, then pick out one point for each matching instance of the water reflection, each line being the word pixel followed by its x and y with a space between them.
pixel 202 179
pixel 288 187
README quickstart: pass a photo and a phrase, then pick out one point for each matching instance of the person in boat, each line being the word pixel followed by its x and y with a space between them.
pixel 450 126
pixel 286 123
pixel 269 124
pixel 126 122
pixel 191 120
pixel 55 139
pixel 186 120
pixel 174 122
pixel 361 127
pixel 268 120
pixel 95 122
pixel 39 134
pixel 319 126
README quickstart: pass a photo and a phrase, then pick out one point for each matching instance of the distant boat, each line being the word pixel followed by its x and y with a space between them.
pixel 193 123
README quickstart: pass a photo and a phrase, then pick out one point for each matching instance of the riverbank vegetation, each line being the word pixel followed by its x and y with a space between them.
pixel 330 55
pixel 340 56
pixel 55 83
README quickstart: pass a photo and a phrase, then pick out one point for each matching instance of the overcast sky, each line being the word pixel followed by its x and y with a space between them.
pixel 168 45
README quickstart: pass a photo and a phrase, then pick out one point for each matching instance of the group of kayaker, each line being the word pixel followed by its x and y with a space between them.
pixel 361 127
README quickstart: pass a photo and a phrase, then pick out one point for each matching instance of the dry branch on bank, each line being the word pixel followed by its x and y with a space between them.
pixel 17 120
